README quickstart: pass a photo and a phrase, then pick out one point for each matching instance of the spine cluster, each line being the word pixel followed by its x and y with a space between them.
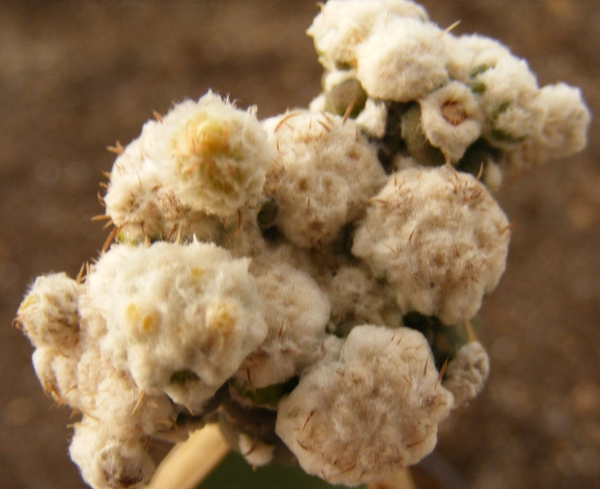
pixel 307 281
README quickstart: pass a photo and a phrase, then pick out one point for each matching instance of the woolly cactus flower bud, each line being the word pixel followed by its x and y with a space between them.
pixel 213 155
pixel 106 461
pixel 324 173
pixel 369 414
pixel 343 24
pixel 403 60
pixel 48 314
pixel 451 119
pixel 564 129
pixel 508 102
pixel 296 312
pixel 439 238
pixel 467 372
pixel 181 319
pixel 142 206
pixel 563 132
pixel 470 55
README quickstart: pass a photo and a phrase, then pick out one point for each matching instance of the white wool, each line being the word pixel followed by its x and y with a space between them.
pixel 564 129
pixel 402 162
pixel 255 451
pixel 451 119
pixel 296 312
pixel 317 104
pixel 486 51
pixel 131 203
pixel 243 236
pixel 358 298
pixel 180 318
pixel 508 100
pixel 144 209
pixel 48 313
pixel 343 24
pixel 403 60
pixel 467 373
pixel 57 374
pixel 213 155
pixel 373 118
pixel 133 411
pixel 107 460
pixel 439 238
pixel 325 172
pixel 471 54
pixel 492 176
pixel 141 203
pixel 369 414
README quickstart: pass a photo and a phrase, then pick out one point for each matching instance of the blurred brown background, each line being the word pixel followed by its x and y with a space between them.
pixel 75 76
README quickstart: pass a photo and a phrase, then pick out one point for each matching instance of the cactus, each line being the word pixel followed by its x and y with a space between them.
pixel 306 282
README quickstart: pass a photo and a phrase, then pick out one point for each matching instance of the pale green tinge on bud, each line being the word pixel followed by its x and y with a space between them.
pixel 347 96
pixel 416 142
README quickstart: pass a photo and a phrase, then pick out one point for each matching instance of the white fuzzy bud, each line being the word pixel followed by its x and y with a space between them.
pixel 403 60
pixel 358 298
pixel 48 314
pixel 564 130
pixel 180 318
pixel 369 414
pixel 439 238
pixel 343 24
pixel 325 173
pixel 213 155
pixel 296 312
pixel 108 461
pixel 467 372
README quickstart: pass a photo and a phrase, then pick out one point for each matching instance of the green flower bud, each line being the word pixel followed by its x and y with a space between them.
pixel 416 143
pixel 341 96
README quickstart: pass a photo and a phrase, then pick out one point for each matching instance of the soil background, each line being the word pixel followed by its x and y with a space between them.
pixel 77 75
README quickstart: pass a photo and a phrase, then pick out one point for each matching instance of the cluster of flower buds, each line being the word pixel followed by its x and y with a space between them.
pixel 308 281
